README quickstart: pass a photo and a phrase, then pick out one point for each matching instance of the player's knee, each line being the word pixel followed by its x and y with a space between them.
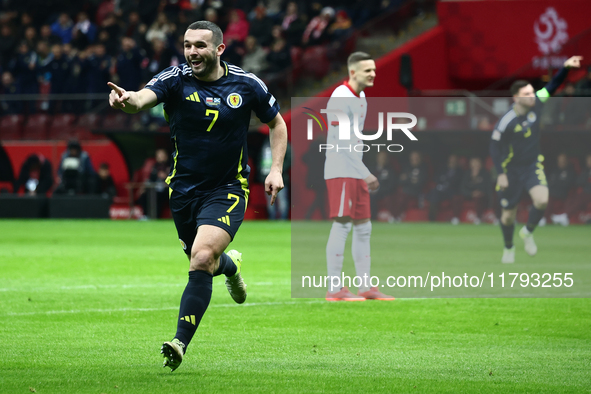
pixel 202 259
pixel 507 218
pixel 541 203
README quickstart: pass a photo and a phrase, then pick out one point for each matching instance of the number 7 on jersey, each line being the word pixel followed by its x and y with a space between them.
pixel 215 114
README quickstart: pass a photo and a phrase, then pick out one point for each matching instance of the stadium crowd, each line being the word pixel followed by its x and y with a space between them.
pixel 76 47
pixel 464 187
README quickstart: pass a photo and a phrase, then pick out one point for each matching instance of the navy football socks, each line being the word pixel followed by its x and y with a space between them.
pixel 534 217
pixel 508 235
pixel 194 303
pixel 227 266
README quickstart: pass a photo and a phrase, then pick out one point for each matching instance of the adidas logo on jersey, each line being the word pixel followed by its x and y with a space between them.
pixel 193 97
pixel 225 220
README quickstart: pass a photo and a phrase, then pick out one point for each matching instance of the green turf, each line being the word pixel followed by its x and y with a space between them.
pixel 85 306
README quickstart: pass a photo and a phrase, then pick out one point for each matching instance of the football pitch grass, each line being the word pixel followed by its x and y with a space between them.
pixel 86 305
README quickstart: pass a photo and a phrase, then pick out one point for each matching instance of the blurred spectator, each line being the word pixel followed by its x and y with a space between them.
pixel 8 44
pixel 211 15
pixel 57 72
pixel 63 28
pixel 161 56
pixel 96 69
pixel 58 69
pixel 9 86
pixel 75 79
pixel 105 186
pixel 129 64
pixel 161 29
pixel 36 176
pixel 384 196
pixel 254 56
pixel 24 68
pixel 135 29
pixel 109 34
pixel 293 24
pixel 26 22
pixel 314 160
pixel 260 26
pixel 580 200
pixel 105 8
pixel 560 182
pixel 279 58
pixel 84 32
pixel 341 28
pixel 47 35
pixel 156 181
pixel 447 188
pixel 477 187
pixel 316 32
pixel 76 174
pixel 280 209
pixel 30 37
pixel 44 55
pixel 412 181
pixel 238 27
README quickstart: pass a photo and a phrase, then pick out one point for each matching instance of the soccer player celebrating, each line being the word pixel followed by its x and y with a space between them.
pixel 515 152
pixel 208 104
pixel 348 183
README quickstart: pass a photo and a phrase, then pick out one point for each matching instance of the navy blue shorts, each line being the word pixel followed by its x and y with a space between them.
pixel 223 207
pixel 522 178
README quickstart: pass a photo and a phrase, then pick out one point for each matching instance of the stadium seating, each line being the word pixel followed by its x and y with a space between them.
pixel 85 124
pixel 315 62
pixel 36 127
pixel 11 127
pixel 118 120
pixel 62 127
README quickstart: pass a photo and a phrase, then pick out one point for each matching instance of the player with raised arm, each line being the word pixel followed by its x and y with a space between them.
pixel 515 152
pixel 349 182
pixel 208 104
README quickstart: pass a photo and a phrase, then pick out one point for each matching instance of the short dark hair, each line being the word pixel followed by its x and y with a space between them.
pixel 517 85
pixel 218 36
pixel 357 57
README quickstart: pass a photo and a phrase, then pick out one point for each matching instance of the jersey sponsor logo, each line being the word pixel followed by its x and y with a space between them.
pixel 193 97
pixel 234 100
pixel 531 117
pixel 212 101
pixel 152 82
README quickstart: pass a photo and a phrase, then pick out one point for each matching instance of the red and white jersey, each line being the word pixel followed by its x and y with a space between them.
pixel 342 161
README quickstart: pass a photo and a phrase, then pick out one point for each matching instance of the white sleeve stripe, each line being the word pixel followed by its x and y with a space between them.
pixel 253 77
pixel 172 73
pixel 508 117
pixel 242 72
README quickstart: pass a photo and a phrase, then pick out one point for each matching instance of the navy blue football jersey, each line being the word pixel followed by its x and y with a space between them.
pixel 519 135
pixel 209 122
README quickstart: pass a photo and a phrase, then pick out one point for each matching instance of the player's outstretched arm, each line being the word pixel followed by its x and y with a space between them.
pixel 558 79
pixel 131 102
pixel 278 139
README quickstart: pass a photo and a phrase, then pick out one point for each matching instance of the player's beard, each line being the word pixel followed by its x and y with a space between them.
pixel 207 66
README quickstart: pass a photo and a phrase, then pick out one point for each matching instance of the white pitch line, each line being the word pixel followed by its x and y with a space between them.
pixel 133 286
pixel 118 310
